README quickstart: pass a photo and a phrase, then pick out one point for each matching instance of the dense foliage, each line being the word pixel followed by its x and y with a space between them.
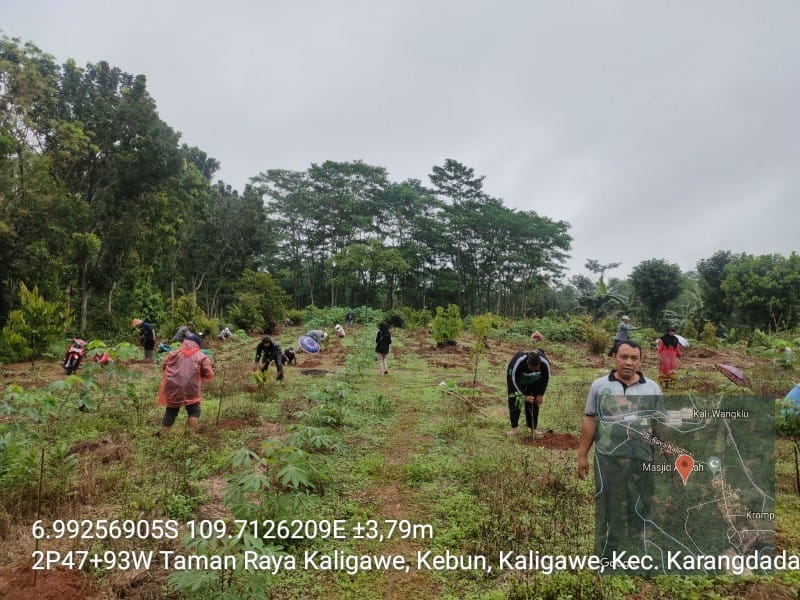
pixel 108 215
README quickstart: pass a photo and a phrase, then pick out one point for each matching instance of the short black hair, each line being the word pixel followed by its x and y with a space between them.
pixel 534 358
pixel 632 344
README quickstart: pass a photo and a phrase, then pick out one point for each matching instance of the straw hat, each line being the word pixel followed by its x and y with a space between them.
pixel 136 322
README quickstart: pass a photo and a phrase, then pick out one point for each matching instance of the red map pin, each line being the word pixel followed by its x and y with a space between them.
pixel 684 463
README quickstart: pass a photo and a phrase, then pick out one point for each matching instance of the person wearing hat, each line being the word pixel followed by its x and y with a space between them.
pixel 622 333
pixel 268 351
pixel 527 377
pixel 147 337
pixel 317 335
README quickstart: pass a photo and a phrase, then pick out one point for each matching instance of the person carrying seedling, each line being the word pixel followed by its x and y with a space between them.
pixel 183 372
pixel 268 351
pixel 527 377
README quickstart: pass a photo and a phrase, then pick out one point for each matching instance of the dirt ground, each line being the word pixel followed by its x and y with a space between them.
pixel 17 583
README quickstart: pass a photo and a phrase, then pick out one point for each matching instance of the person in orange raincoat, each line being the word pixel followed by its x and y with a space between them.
pixel 669 351
pixel 184 370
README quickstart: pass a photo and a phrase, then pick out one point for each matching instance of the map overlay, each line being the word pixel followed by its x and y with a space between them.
pixel 686 483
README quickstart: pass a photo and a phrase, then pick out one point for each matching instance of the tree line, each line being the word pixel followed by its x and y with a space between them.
pixel 105 211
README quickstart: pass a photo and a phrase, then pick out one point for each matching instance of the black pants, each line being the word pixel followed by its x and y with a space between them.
pixel 531 412
pixel 278 365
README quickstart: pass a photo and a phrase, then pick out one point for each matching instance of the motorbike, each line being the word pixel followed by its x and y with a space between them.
pixel 75 353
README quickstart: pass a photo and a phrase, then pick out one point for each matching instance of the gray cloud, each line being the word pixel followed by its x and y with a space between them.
pixel 657 131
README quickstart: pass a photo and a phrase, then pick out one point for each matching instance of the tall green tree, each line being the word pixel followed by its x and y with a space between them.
pixel 656 282
pixel 318 213
pixel 711 272
pixel 34 229
pixel 260 302
pixel 129 153
pixel 408 220
pixel 287 196
pixel 763 290
pixel 457 186
pixel 371 265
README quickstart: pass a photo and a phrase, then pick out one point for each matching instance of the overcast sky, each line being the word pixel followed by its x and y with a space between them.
pixel 658 130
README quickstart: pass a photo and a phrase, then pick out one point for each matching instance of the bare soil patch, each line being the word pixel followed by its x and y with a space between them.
pixel 553 441
pixel 16 583
pixel 232 424
pixel 103 450
pixel 314 372
pixel 24 376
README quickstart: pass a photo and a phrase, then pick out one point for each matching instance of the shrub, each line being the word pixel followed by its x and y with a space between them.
pixel 787 419
pixel 561 330
pixel 244 312
pixel 324 318
pixel 597 338
pixel 709 334
pixel 32 328
pixel 447 323
pixel 645 336
pixel 182 310
pixel 260 303
pixel 419 470
pixel 395 318
pixel 297 317
pixel 147 303
pixel 417 319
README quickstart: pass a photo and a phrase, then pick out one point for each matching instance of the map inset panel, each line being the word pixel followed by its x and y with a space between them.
pixel 688 482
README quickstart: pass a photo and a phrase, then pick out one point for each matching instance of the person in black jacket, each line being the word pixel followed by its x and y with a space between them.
pixel 146 335
pixel 383 340
pixel 268 351
pixel 527 377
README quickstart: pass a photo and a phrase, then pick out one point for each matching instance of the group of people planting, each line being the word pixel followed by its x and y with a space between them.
pixel 185 369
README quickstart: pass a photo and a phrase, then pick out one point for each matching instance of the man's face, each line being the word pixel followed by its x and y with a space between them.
pixel 628 361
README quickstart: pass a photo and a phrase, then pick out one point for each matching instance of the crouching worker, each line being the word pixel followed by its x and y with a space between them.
pixel 527 377
pixel 268 351
pixel 289 356
pixel 184 371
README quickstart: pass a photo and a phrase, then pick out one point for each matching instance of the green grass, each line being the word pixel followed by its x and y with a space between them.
pixel 396 447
